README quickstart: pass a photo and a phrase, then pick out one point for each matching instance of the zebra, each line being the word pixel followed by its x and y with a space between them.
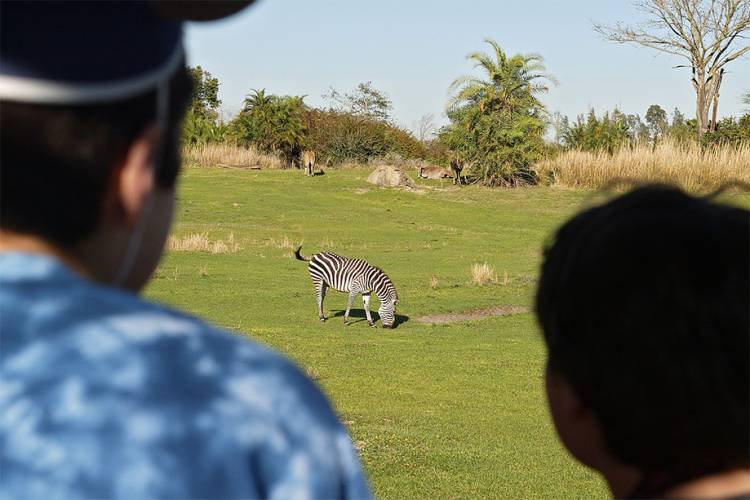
pixel 353 276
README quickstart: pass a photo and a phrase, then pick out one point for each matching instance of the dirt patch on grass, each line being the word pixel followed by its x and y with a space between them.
pixel 439 319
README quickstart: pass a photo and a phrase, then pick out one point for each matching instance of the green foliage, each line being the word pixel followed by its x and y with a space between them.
pixel 637 130
pixel 497 123
pixel 339 137
pixel 681 130
pixel 274 124
pixel 201 124
pixel 656 118
pixel 746 101
pixel 198 129
pixel 205 91
pixel 729 131
pixel 592 133
pixel 365 101
pixel 614 130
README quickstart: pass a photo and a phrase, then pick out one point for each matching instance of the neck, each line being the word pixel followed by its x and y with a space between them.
pixel 383 292
pixel 722 485
pixel 11 241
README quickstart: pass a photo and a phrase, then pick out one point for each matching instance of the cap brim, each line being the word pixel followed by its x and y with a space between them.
pixel 199 10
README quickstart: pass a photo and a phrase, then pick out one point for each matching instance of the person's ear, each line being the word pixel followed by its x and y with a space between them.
pixel 576 425
pixel 562 395
pixel 135 177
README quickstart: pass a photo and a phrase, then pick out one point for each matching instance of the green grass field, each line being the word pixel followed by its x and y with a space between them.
pixel 448 411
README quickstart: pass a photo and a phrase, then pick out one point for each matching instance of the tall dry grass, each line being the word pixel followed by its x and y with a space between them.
pixel 200 242
pixel 483 274
pixel 229 155
pixel 685 165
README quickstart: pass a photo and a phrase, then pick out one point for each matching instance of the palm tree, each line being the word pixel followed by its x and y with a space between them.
pixel 257 99
pixel 497 120
pixel 511 83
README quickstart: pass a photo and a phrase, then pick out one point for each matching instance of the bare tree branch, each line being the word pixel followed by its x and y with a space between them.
pixel 709 34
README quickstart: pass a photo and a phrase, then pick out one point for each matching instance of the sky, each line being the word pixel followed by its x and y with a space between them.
pixel 413 49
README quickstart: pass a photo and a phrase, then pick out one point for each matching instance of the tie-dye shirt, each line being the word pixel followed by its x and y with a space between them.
pixel 104 395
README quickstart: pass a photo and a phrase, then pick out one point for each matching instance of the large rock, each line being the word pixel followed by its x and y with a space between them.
pixel 390 176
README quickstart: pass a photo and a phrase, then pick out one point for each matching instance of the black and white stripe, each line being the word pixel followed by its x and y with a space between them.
pixel 352 276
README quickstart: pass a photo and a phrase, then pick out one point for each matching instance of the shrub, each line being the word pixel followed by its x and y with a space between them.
pixel 608 133
pixel 729 131
pixel 273 124
pixel 339 137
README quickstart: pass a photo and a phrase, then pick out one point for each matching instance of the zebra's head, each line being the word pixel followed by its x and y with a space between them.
pixel 387 312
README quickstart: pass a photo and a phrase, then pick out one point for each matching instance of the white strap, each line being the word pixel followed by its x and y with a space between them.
pixel 31 90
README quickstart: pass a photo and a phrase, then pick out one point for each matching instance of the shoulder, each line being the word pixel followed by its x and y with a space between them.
pixel 148 379
pixel 198 360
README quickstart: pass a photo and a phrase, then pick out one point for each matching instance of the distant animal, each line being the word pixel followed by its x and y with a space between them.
pixel 308 162
pixel 456 168
pixel 352 276
pixel 434 173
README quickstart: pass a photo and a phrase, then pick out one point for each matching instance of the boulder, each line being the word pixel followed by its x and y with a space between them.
pixel 390 176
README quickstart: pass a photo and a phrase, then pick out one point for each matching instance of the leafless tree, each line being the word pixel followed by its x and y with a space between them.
pixel 425 127
pixel 365 100
pixel 709 34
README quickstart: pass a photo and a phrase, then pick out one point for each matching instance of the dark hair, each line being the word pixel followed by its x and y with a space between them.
pixel 56 162
pixel 644 304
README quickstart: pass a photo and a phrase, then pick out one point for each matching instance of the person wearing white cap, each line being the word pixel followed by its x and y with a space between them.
pixel 103 394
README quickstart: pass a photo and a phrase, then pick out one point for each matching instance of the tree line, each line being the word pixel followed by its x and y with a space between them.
pixel 497 122
pixel 613 130
pixel 354 127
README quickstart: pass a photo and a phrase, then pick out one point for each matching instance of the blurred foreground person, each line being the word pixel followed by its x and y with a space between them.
pixel 644 304
pixel 102 394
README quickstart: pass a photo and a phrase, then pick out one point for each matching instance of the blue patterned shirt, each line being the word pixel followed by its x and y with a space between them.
pixel 104 395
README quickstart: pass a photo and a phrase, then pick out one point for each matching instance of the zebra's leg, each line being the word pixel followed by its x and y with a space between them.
pixel 366 302
pixel 320 293
pixel 349 303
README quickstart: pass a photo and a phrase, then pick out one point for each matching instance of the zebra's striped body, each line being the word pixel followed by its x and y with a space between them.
pixel 352 276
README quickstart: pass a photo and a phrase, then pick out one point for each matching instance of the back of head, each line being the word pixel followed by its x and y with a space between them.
pixel 78 84
pixel 644 307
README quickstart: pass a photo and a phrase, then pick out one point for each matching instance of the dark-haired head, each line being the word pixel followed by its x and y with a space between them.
pixel 644 305
pixel 58 160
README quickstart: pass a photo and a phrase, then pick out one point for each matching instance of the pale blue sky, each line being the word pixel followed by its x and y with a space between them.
pixel 413 49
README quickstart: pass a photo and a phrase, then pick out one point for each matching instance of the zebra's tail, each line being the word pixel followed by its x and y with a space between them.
pixel 299 255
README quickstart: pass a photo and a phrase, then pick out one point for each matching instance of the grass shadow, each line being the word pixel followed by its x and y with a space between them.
pixel 360 316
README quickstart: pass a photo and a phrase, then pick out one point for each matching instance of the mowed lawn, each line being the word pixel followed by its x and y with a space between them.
pixel 448 411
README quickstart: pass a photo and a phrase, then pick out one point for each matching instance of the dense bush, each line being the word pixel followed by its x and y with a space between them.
pixel 198 129
pixel 608 133
pixel 339 137
pixel 272 124
pixel 729 131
